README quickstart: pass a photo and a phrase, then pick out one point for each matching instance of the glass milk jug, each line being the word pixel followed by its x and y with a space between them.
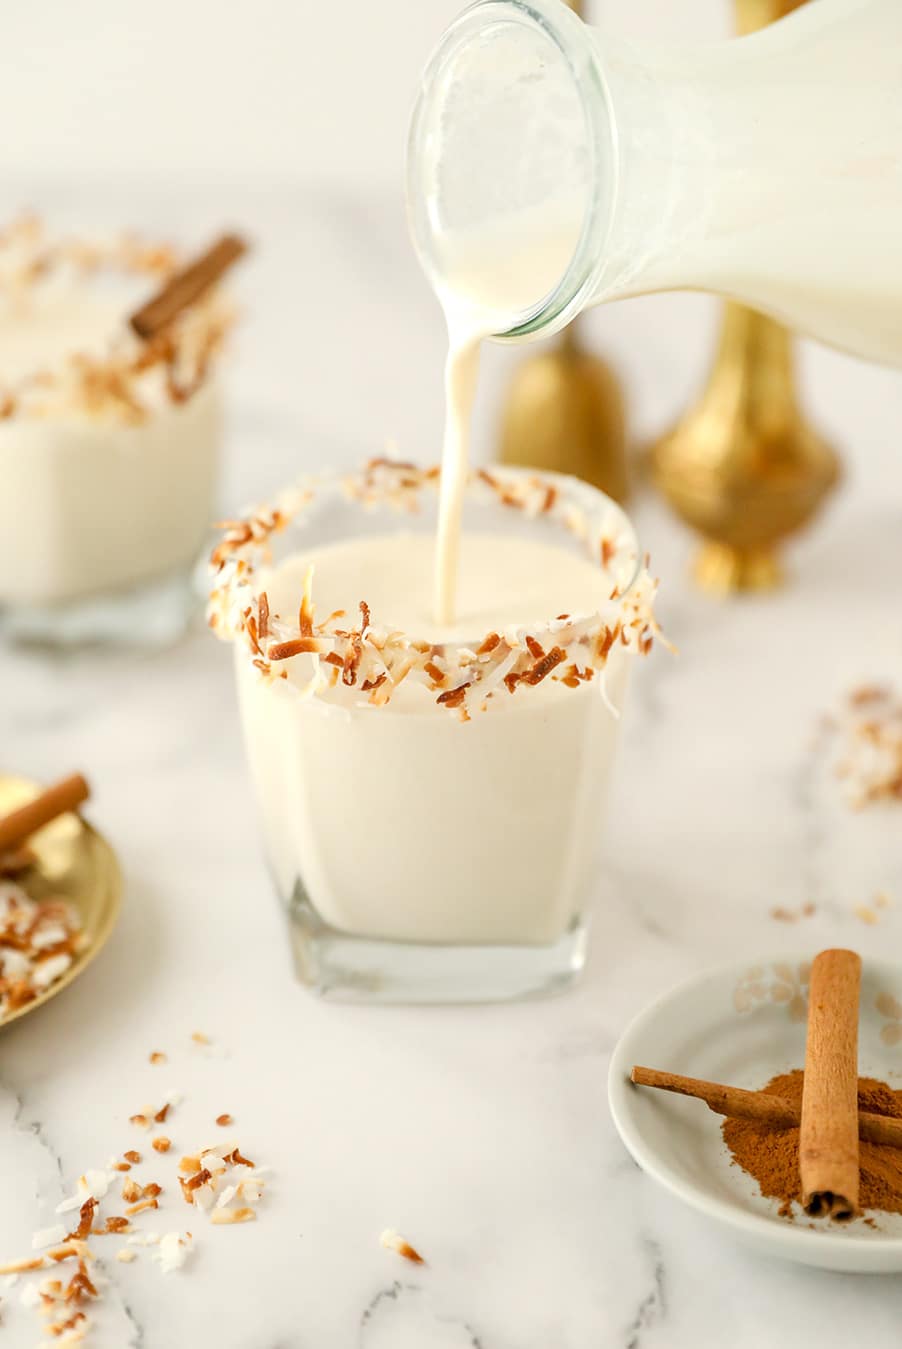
pixel 552 166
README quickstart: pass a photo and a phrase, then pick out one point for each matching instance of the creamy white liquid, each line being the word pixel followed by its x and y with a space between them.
pixel 90 505
pixel 399 821
pixel 504 581
pixel 487 278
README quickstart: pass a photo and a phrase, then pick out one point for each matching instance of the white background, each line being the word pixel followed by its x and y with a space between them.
pixel 242 91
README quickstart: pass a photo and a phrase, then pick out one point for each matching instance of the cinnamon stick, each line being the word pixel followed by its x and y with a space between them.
pixel 186 286
pixel 737 1103
pixel 16 861
pixel 16 827
pixel 828 1142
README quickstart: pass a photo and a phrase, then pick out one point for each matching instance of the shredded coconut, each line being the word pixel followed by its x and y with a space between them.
pixel 172 1251
pixel 48 1236
pixel 393 1241
pixel 368 657
pixel 869 729
pixel 39 940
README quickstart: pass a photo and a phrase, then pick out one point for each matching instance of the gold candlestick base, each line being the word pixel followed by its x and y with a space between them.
pixel 565 411
pixel 723 570
pixel 744 467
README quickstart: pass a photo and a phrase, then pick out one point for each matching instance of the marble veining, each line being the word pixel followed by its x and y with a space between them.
pixel 653 1307
pixel 481 1134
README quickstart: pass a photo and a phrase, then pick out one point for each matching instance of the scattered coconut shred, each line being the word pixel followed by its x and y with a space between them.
pixel 67 1275
pixel 869 730
pixel 393 1241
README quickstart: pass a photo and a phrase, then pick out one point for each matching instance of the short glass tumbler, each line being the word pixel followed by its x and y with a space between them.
pixel 429 846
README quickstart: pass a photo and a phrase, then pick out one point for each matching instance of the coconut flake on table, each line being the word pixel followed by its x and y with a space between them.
pixel 48 1236
pixel 224 1216
pixel 95 1184
pixel 393 1241
pixel 227 1195
pixel 30 1296
pixel 68 1205
pixel 172 1251
pixel 251 1189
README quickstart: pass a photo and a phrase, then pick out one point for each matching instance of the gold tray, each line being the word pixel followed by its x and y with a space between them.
pixel 77 863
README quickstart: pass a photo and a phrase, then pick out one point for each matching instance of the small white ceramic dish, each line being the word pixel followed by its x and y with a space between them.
pixel 742 1024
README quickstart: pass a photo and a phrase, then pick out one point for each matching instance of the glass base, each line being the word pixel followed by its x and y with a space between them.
pixel 152 615
pixel 364 969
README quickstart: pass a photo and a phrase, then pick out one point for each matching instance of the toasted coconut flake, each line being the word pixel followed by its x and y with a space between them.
pixel 132 1156
pixel 24 1265
pixel 392 1241
pixel 85 1220
pixel 374 658
pixel 141 1205
pixel 157 1057
pixel 224 1121
pixel 131 1191
pixel 142 1121
pixel 199 1038
pixel 161 1144
pixel 869 730
pixel 68 1251
pixel 224 1216
pixel 39 940
pixel 453 697
pixel 299 646
pixel 236 1159
pixel 488 644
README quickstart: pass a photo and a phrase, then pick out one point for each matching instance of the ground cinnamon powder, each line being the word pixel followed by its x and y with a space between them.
pixel 772 1155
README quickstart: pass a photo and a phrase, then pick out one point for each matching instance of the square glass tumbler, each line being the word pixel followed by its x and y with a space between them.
pixel 431 809
pixel 109 444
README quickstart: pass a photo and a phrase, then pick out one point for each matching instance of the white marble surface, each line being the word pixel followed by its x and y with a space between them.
pixel 482 1134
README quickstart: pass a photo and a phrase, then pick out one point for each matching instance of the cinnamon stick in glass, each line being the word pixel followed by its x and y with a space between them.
pixel 828 1141
pixel 20 824
pixel 737 1103
pixel 186 286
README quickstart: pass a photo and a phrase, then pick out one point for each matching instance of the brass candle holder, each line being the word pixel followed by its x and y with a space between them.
pixel 743 466
pixel 565 410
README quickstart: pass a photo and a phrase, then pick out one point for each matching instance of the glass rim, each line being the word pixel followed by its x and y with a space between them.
pixel 567 33
pixel 373 659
